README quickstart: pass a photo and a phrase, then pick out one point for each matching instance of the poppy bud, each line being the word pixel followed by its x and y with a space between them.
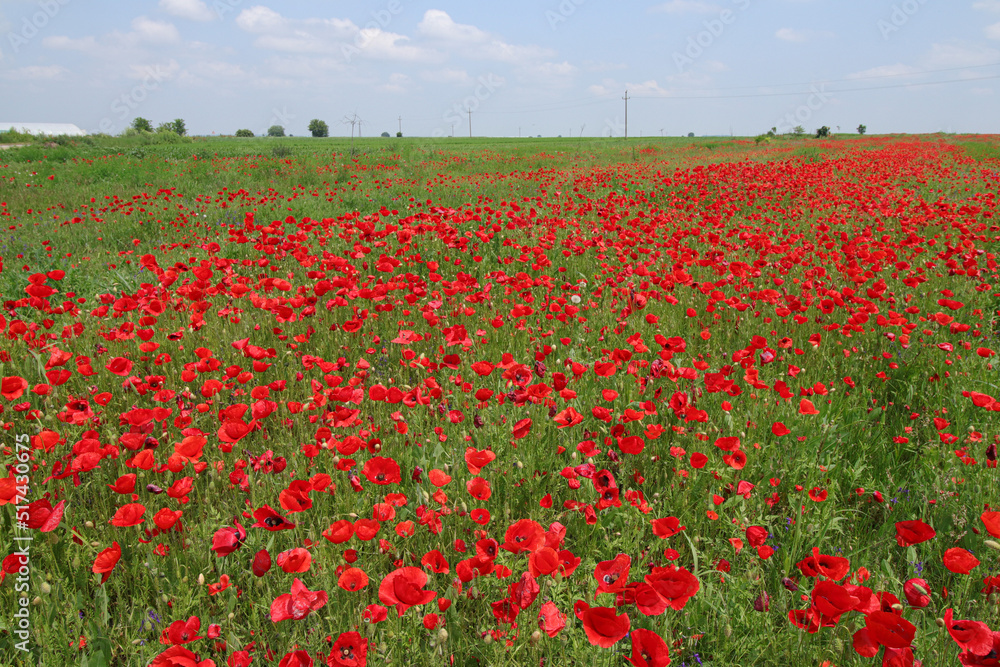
pixel 763 602
pixel 789 584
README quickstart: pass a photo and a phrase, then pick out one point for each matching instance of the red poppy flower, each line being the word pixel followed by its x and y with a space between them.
pixel 181 632
pixel 603 626
pixel 124 485
pixel 119 366
pixel 551 621
pixel 479 488
pixel 864 645
pixel 261 563
pixel 178 656
pixel 268 519
pixel 404 588
pixel 832 600
pixel 43 517
pixel 913 532
pixel 612 575
pixel 107 560
pixel 435 562
pixel 889 629
pixel 350 650
pixel 972 636
pixel 339 531
pixel 296 659
pixel 728 444
pixel 666 527
pixel 353 579
pixel 476 460
pixel 648 649
pixel 523 535
pixel 297 604
pixel 522 428
pixel 834 568
pixel 992 522
pixel 382 470
pixel 918 599
pixel 806 407
pixel 294 560
pixel 674 584
pixel 12 388
pixel 960 561
pixel 166 519
pixel 779 429
pixel 524 591
pixel 128 515
pixel 438 478
pixel 227 540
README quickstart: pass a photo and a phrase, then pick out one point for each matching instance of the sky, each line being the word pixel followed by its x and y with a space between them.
pixel 544 67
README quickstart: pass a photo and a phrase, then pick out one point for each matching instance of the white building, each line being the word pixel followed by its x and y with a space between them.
pixel 44 129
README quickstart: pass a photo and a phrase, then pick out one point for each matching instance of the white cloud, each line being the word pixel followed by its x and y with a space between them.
pixel 62 43
pixel 193 10
pixel 471 42
pixel 648 88
pixel 993 31
pixel 687 7
pixel 943 56
pixel 885 71
pixel 801 36
pixel 328 37
pixel 35 73
pixel 398 83
pixel 147 30
pixel 791 35
pixel 987 5
pixel 446 76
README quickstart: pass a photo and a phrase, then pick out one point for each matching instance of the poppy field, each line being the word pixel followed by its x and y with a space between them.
pixel 544 403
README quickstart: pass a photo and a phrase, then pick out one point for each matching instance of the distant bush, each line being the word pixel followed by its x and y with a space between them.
pixel 244 133
pixel 12 136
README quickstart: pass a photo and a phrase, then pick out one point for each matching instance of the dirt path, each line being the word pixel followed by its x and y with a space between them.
pixel 6 146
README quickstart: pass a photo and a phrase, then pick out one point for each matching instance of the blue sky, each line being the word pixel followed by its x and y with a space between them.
pixel 549 67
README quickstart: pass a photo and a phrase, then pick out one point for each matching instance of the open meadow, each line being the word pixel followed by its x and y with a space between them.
pixel 501 402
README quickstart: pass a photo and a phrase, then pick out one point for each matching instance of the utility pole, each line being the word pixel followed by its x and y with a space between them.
pixel 400 124
pixel 470 123
pixel 626 113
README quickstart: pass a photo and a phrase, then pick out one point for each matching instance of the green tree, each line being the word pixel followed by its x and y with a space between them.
pixel 862 129
pixel 399 134
pixel 319 128
pixel 385 135
pixel 823 132
pixel 244 133
pixel 798 130
pixel 275 131
pixel 178 126
pixel 141 124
